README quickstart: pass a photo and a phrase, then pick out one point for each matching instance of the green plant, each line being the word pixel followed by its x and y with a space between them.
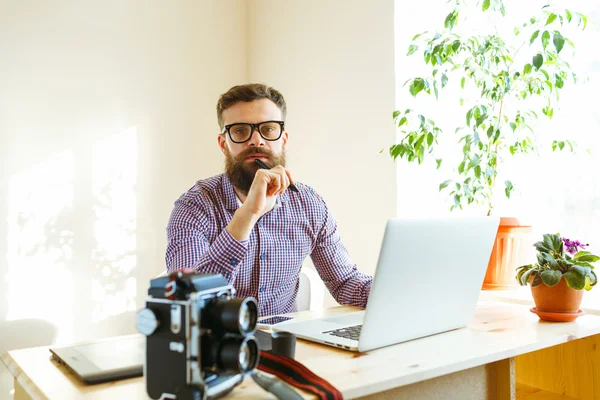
pixel 504 88
pixel 558 257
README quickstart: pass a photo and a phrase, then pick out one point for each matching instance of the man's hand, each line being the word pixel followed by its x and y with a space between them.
pixel 266 186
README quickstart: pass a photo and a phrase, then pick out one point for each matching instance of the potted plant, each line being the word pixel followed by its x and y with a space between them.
pixel 507 81
pixel 562 271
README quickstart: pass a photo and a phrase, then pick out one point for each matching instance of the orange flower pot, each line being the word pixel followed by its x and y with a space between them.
pixel 513 248
pixel 558 303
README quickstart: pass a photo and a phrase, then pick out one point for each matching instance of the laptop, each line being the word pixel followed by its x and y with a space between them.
pixel 428 278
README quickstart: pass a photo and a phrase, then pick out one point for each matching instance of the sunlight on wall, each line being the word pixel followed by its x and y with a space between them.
pixel 40 243
pixel 114 174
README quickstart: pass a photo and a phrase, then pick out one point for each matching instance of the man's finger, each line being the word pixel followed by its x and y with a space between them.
pixel 285 181
pixel 274 184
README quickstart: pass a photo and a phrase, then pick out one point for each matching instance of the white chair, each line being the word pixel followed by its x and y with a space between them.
pixel 311 291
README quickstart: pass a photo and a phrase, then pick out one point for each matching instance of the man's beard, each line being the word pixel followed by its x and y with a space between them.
pixel 241 172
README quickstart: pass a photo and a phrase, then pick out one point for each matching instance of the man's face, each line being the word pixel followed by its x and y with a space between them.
pixel 239 157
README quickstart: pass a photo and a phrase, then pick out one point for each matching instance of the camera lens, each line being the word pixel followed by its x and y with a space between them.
pixel 238 354
pixel 238 315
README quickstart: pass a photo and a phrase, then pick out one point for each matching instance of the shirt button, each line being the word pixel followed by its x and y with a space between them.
pixel 262 289
pixel 259 223
pixel 263 256
pixel 233 261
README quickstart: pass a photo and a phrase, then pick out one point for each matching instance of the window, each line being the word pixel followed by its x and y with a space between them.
pixel 555 192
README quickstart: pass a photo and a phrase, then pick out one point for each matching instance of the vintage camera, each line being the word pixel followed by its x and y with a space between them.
pixel 199 337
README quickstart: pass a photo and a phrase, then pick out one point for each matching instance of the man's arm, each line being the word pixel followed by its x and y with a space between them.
pixel 344 281
pixel 188 246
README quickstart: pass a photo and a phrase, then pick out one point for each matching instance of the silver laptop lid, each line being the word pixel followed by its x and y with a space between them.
pixel 428 278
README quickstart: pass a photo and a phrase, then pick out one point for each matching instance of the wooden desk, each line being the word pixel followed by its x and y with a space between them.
pixel 477 362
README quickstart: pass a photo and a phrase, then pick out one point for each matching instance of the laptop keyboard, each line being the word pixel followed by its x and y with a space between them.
pixel 349 332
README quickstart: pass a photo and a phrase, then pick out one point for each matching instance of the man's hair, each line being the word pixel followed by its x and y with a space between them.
pixel 248 93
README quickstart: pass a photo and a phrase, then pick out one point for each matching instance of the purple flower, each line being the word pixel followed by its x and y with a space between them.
pixel 573 246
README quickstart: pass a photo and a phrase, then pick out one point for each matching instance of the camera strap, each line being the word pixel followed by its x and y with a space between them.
pixel 296 374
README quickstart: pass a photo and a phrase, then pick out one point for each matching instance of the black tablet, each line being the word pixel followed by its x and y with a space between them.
pixel 105 360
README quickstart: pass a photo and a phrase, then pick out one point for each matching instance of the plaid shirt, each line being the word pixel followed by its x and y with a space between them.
pixel 267 265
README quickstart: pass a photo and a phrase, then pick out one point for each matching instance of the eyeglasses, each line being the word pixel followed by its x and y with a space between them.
pixel 242 132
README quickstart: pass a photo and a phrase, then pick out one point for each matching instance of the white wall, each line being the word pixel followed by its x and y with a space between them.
pixel 334 63
pixel 107 114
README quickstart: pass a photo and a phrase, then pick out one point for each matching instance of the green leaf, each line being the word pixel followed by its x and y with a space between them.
pixel 438 162
pixel 527 69
pixel 549 259
pixel 450 20
pixel 553 241
pixel 402 121
pixel 551 277
pixel 588 283
pixel 416 86
pixel 481 119
pixel 485 5
pixel 559 41
pixel 444 80
pixel 568 13
pixel 542 247
pixel 584 271
pixel 469 115
pixel 551 18
pixel 462 82
pixel 545 39
pixel 508 188
pixel 461 167
pixel 538 60
pixel 588 258
pixel 429 139
pixel 584 19
pixel 411 49
pixel 474 161
pixel 575 280
pixel 445 184
pixel 395 114
pixel 525 277
pixel 456 45
pixel 477 171
pixel 534 36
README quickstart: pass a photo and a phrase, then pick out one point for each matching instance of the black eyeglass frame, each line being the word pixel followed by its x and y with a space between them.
pixel 253 126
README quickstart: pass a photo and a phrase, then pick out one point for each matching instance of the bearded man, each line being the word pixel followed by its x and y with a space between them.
pixel 255 225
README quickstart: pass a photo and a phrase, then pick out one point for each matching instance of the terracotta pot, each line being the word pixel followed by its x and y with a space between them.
pixel 559 298
pixel 513 248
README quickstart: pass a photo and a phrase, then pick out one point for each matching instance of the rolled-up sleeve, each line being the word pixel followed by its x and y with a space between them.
pixel 188 246
pixel 342 278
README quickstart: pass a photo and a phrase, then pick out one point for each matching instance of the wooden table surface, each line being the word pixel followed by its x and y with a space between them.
pixel 500 330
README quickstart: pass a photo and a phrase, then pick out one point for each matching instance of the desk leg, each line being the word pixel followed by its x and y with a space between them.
pixel 569 371
pixel 494 381
pixel 20 393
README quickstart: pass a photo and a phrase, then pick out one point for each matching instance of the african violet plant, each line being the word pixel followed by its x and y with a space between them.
pixel 558 257
pixel 516 77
